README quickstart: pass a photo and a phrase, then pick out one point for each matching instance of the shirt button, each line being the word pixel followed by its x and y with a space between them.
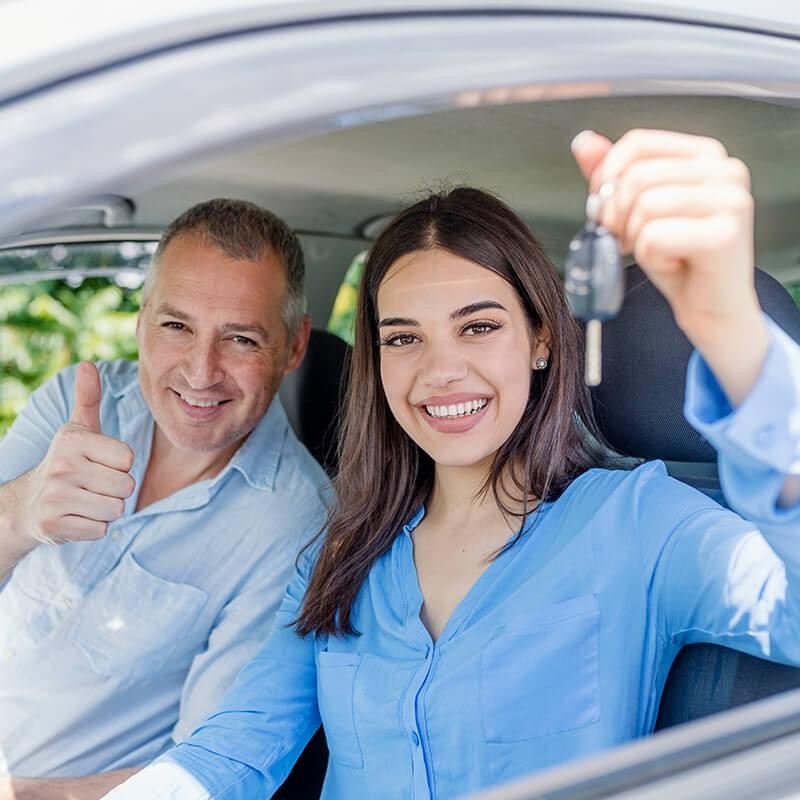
pixel 414 739
pixel 67 602
pixel 116 535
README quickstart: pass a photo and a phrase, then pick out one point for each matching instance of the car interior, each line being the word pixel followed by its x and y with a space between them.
pixel 337 188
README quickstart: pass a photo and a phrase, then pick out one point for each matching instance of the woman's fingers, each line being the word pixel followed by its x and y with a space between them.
pixel 708 199
pixel 639 145
pixel 646 184
pixel 589 149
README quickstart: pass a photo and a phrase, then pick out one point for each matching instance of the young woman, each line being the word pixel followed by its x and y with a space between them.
pixel 491 597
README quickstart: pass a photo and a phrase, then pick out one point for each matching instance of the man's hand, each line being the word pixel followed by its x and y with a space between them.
pixel 81 484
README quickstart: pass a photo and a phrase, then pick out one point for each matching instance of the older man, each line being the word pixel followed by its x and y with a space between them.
pixel 150 514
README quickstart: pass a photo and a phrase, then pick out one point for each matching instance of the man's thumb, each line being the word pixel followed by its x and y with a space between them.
pixel 86 410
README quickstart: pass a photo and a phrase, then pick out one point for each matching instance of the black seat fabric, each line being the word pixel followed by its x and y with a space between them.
pixel 639 406
pixel 640 401
pixel 311 396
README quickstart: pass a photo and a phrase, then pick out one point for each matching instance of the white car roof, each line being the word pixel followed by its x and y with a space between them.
pixel 44 40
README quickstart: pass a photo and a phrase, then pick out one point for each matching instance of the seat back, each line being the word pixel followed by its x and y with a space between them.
pixel 639 407
pixel 312 395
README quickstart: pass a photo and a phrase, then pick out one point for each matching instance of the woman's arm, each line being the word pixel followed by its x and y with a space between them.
pixel 682 206
pixel 249 745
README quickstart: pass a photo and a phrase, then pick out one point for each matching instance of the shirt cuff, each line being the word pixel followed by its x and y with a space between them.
pixel 764 431
pixel 758 443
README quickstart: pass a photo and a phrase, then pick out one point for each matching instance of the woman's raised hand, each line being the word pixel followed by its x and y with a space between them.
pixel 682 206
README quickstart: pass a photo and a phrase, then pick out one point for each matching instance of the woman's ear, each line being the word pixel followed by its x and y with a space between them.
pixel 540 352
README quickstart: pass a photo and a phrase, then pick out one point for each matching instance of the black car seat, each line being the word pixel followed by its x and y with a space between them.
pixel 639 407
pixel 312 396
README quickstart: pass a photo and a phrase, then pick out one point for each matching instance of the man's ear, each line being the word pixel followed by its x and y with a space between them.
pixel 298 345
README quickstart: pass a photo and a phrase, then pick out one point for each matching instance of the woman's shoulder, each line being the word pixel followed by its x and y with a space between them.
pixel 639 489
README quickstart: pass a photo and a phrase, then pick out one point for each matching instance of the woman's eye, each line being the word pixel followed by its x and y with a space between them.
pixel 480 328
pixel 399 340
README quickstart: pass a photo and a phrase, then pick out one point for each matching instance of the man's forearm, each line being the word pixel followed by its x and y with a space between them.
pixel 91 787
pixel 13 547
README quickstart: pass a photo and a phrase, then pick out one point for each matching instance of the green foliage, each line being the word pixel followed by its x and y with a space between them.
pixel 47 325
pixel 344 307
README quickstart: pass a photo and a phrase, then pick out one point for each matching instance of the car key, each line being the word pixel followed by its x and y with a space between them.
pixel 593 280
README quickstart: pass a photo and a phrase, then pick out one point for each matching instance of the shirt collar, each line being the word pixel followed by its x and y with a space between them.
pixel 415 520
pixel 259 456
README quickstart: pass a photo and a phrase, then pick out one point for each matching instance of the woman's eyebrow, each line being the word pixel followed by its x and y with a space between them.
pixel 395 321
pixel 481 305
pixel 465 311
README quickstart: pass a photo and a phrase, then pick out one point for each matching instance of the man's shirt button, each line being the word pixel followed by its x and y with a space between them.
pixel 67 602
pixel 415 739
pixel 116 535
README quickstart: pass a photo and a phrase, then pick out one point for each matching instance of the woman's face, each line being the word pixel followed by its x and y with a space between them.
pixel 456 355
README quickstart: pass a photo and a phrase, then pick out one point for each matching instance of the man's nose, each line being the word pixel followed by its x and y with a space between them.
pixel 442 363
pixel 201 368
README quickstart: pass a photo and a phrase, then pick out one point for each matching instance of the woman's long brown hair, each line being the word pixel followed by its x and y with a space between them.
pixel 383 475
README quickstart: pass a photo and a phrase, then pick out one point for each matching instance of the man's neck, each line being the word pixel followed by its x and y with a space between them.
pixel 171 469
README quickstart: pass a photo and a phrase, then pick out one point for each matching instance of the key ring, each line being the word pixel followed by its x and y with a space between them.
pixel 596 201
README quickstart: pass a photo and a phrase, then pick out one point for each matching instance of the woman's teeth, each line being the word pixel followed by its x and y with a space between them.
pixel 457 409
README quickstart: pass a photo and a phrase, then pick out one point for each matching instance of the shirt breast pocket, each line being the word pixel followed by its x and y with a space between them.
pixel 543 678
pixel 132 622
pixel 336 677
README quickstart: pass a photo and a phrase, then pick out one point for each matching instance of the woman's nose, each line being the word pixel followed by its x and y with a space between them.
pixel 442 363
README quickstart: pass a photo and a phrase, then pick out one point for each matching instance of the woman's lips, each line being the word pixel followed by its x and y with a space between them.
pixel 454 424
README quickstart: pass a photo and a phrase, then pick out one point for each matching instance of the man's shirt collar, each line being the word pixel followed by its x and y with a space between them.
pixel 257 459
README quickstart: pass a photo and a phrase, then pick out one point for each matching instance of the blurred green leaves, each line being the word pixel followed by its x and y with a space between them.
pixel 47 325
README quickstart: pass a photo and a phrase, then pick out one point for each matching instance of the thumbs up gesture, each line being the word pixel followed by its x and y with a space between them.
pixel 81 484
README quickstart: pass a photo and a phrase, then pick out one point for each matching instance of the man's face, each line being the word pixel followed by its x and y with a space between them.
pixel 213 346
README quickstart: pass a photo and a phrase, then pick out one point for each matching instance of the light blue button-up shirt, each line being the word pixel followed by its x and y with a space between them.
pixel 112 651
pixel 561 647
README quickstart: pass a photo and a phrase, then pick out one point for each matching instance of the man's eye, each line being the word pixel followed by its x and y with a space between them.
pixel 399 340
pixel 173 326
pixel 243 340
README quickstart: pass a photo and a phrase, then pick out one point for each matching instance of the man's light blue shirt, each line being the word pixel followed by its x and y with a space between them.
pixel 113 650
pixel 560 649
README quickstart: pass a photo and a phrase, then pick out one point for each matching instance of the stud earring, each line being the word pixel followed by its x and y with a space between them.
pixel 541 363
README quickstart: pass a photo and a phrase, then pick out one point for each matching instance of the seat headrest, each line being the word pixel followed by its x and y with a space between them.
pixel 639 404
pixel 312 395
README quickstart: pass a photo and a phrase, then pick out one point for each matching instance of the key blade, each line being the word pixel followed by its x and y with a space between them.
pixel 593 374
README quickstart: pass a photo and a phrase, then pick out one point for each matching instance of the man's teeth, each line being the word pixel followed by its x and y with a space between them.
pixel 200 403
pixel 457 409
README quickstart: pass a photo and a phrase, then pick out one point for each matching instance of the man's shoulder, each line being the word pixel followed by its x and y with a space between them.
pixel 118 376
pixel 300 474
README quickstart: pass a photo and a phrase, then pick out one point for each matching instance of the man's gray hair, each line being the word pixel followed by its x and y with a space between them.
pixel 244 231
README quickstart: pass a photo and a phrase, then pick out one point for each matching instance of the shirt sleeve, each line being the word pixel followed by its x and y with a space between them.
pixel 27 440
pixel 239 632
pixel 734 578
pixel 249 745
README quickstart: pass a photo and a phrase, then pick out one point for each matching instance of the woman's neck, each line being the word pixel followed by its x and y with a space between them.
pixel 457 493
